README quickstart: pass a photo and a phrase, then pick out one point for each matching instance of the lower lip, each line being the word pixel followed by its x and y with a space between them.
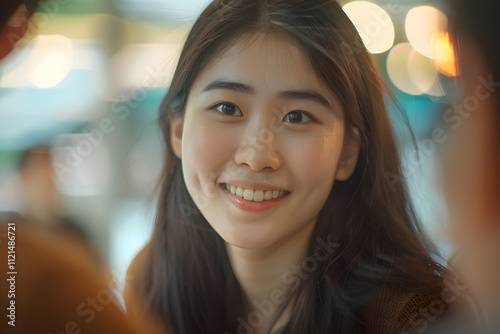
pixel 252 205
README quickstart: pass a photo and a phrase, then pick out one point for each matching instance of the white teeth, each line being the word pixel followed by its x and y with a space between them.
pixel 258 195
pixel 248 194
pixel 254 195
pixel 268 194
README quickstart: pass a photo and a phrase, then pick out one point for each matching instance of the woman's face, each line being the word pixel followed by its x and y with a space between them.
pixel 258 120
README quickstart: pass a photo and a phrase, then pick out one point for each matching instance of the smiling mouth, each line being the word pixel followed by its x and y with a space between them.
pixel 253 195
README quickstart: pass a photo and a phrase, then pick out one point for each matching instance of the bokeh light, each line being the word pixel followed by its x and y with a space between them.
pixel 398 69
pixel 373 24
pixel 423 25
pixel 51 60
pixel 444 55
pixel 412 72
pixel 423 74
pixel 148 65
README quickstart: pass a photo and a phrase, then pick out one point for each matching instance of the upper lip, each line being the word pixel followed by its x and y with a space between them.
pixel 253 185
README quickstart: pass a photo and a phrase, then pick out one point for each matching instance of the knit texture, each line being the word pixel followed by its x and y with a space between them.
pixel 405 309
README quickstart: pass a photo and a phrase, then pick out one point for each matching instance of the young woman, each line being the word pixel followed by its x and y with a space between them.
pixel 279 212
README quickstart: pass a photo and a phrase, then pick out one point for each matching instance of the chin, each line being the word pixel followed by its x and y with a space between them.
pixel 248 239
pixel 249 244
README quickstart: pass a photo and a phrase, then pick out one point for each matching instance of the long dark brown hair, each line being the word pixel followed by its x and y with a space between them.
pixel 187 279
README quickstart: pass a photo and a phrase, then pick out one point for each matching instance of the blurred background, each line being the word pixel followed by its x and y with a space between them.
pixel 80 93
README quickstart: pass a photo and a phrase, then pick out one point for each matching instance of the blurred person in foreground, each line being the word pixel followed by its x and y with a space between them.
pixel 49 282
pixel 42 202
pixel 472 168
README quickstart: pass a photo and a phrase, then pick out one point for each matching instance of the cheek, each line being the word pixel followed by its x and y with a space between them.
pixel 205 146
pixel 315 159
pixel 208 153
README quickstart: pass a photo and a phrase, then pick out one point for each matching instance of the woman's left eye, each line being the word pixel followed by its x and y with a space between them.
pixel 297 117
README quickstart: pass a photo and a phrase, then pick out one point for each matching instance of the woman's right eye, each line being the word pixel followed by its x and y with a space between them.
pixel 228 109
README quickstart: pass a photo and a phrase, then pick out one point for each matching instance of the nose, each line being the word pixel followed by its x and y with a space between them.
pixel 258 150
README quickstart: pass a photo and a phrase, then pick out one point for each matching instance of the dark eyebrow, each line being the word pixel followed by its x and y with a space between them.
pixel 234 86
pixel 309 94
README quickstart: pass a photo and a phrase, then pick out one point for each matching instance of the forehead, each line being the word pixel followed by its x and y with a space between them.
pixel 267 61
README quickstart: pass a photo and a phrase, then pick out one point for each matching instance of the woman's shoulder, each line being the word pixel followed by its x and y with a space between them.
pixel 406 308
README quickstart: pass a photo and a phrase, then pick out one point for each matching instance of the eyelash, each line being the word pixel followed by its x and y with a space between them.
pixel 215 107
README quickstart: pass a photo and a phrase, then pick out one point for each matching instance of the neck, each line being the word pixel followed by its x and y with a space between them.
pixel 265 275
